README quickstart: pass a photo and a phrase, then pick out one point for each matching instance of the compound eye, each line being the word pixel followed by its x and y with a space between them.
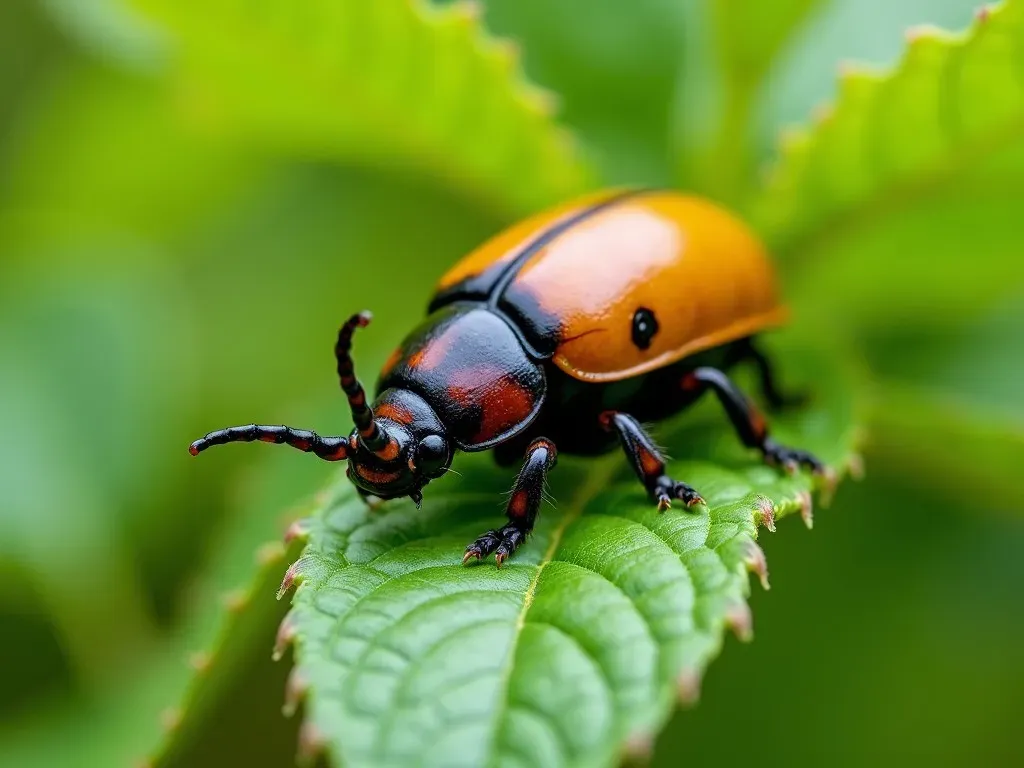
pixel 432 455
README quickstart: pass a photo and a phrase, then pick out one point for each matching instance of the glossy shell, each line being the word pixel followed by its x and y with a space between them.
pixel 471 368
pixel 574 281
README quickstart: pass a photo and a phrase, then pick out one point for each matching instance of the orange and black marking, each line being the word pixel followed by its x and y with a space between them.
pixel 327 448
pixel 394 412
pixel 362 415
pixel 484 274
pixel 470 367
pixel 568 328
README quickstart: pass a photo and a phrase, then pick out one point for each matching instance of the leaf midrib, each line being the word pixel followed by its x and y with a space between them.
pixel 598 479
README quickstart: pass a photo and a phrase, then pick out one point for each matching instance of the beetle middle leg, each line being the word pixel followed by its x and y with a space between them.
pixel 648 463
pixel 523 504
pixel 750 425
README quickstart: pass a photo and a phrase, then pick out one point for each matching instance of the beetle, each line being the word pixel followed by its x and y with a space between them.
pixel 564 333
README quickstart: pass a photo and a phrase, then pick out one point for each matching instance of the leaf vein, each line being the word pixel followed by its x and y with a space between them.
pixel 575 508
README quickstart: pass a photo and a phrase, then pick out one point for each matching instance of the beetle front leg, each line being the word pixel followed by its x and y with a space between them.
pixel 647 461
pixel 523 504
pixel 750 425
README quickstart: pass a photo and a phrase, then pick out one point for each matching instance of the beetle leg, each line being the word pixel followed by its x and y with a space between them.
pixel 750 425
pixel 523 504
pixel 776 398
pixel 648 463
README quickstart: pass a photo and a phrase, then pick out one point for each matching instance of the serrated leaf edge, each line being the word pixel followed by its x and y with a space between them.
pixel 737 619
pixel 503 58
pixel 202 663
pixel 796 141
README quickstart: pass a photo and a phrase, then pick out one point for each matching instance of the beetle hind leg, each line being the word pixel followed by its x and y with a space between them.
pixel 523 505
pixel 647 461
pixel 748 422
pixel 778 398
pixel 790 459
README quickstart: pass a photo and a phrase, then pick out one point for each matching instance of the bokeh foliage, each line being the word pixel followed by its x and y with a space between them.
pixel 186 211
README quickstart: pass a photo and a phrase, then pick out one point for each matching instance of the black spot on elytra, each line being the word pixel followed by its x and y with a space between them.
pixel 645 325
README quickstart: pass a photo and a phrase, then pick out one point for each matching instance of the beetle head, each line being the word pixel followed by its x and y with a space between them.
pixel 409 450
pixel 397 447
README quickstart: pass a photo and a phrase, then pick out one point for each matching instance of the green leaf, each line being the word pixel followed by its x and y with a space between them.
pixel 390 83
pixel 574 652
pixel 750 34
pixel 206 695
pixel 804 75
pixel 895 141
pixel 616 75
pixel 109 28
pixel 232 655
pixel 61 187
pixel 729 52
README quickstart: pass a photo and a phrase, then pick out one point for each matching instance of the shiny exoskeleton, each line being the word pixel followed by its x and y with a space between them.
pixel 564 333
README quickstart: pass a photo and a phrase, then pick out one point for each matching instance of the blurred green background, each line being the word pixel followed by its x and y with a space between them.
pixel 167 267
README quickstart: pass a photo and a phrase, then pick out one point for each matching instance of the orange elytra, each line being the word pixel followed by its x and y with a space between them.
pixel 698 269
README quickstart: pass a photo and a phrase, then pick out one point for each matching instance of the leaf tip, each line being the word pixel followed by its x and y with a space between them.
pixel 235 600
pixel 200 661
pixel 852 71
pixel 285 637
pixel 508 53
pixel 920 32
pixel 291 577
pixel 298 531
pixel 806 508
pixel 741 621
pixel 295 690
pixel 688 687
pixel 469 11
pixel 757 563
pixel 765 513
pixel 638 749
pixel 540 100
pixel 822 113
pixel 566 142
pixel 170 719
pixel 269 553
pixel 312 744
pixel 827 483
pixel 855 466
